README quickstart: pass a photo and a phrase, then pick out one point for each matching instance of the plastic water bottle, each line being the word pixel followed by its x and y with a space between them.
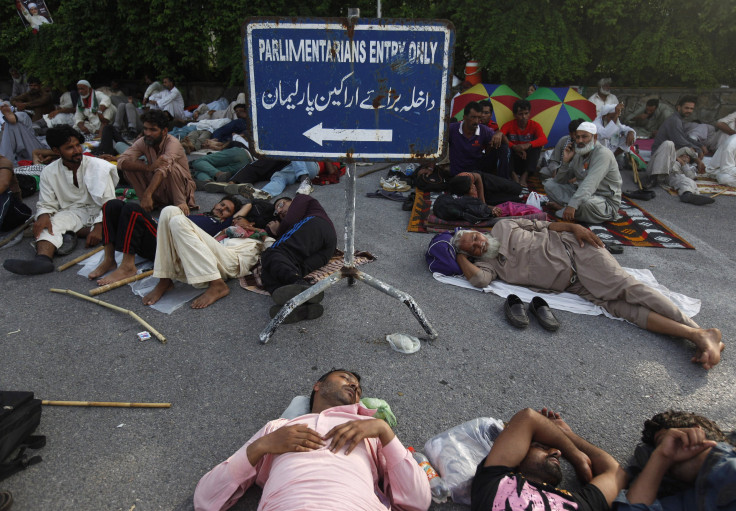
pixel 440 490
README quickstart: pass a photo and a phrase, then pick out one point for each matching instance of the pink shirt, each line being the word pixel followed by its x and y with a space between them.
pixel 371 477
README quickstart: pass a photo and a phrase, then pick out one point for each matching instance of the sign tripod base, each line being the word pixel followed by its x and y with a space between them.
pixel 348 271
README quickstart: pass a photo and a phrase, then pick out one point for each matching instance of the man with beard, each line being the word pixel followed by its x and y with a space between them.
pixel 557 257
pixel 335 457
pixel 37 100
pixel 94 109
pixel 169 99
pixel 163 178
pixel 71 194
pixel 128 228
pixel 522 471
pixel 603 96
pixel 587 187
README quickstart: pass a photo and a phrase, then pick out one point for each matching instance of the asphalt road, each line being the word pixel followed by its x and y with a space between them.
pixel 605 376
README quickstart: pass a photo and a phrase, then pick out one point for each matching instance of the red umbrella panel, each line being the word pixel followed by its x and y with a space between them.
pixel 555 107
pixel 502 98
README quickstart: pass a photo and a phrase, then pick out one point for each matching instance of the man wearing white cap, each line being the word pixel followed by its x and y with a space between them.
pixel 587 187
pixel 94 109
pixel 612 134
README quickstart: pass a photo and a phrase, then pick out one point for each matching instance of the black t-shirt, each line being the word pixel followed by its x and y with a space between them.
pixel 500 488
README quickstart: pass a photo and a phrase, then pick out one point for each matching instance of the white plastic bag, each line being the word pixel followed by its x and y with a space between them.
pixel 534 200
pixel 403 343
pixel 456 453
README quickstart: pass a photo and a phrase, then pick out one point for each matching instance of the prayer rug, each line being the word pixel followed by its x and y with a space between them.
pixel 252 283
pixel 706 186
pixel 635 228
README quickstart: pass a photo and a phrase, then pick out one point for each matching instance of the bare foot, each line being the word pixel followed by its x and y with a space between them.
pixel 216 290
pixel 121 273
pixel 104 267
pixel 161 288
pixel 709 347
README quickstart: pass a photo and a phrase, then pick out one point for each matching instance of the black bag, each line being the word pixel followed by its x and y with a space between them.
pixel 429 181
pixel 470 209
pixel 20 415
pixel 28 185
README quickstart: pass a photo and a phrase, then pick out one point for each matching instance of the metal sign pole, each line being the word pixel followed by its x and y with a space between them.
pixel 383 78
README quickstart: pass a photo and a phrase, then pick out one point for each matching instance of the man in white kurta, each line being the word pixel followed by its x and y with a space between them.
pixel 71 194
pixel 603 96
pixel 186 253
pixel 169 99
pixel 64 114
pixel 94 109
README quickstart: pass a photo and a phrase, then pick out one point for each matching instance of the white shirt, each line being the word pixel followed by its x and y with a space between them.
pixel 171 101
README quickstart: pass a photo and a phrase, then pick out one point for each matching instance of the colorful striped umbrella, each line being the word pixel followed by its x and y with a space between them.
pixel 501 96
pixel 555 107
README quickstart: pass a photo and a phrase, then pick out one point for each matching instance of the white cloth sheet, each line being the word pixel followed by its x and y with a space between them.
pixel 571 302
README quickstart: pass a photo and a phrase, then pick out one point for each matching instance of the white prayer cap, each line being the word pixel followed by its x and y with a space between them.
pixel 32 6
pixel 589 127
pixel 607 109
pixel 84 82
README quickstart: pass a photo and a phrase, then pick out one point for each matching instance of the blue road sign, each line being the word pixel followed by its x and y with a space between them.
pixel 375 90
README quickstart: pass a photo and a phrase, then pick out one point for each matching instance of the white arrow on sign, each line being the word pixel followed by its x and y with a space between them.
pixel 319 134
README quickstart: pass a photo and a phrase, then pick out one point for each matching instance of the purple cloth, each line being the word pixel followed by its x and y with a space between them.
pixel 466 152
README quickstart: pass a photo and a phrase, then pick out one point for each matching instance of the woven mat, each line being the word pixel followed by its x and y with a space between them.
pixel 706 186
pixel 635 228
pixel 249 282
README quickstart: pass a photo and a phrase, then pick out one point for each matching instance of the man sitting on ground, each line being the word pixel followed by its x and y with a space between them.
pixel 680 169
pixel 129 229
pixel 612 134
pixel 486 114
pixel 603 96
pixel 672 136
pixel 168 99
pixel 526 139
pixel 187 253
pixel 472 144
pixel 94 109
pixel 555 161
pixel 301 172
pixel 12 210
pixel 306 240
pixel 522 471
pixel 587 187
pixel 568 257
pixel 336 457
pixel 72 192
pixel 683 450
pixel 163 179
pixel 37 100
pixel 17 140
pixel 648 119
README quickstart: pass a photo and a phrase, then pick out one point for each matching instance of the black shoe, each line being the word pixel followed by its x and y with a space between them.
pixel 614 248
pixel 540 309
pixel 696 198
pixel 285 293
pixel 68 244
pixel 515 312
pixel 303 312
pixel 36 266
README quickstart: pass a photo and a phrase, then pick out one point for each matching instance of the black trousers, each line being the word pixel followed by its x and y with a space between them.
pixel 498 190
pixel 129 228
pixel 496 161
pixel 258 170
pixel 307 246
pixel 519 166
pixel 13 213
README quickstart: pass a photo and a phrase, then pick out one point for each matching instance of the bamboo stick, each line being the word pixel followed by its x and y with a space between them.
pixel 12 234
pixel 114 404
pixel 74 261
pixel 115 308
pixel 367 172
pixel 719 193
pixel 114 285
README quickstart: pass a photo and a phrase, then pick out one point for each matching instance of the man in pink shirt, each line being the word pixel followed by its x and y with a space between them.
pixel 337 457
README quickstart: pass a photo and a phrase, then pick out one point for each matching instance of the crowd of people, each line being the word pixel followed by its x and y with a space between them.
pixel 158 149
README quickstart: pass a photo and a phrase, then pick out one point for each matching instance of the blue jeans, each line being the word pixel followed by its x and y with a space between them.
pixel 289 175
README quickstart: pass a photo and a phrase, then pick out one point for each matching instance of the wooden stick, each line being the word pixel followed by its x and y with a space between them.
pixel 114 285
pixel 719 193
pixel 106 403
pixel 15 232
pixel 74 261
pixel 115 308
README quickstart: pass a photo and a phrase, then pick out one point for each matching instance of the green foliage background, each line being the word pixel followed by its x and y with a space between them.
pixel 550 42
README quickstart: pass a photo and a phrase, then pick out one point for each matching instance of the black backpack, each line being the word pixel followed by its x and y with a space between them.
pixel 470 209
pixel 20 415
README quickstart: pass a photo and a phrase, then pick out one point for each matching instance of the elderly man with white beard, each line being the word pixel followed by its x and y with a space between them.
pixel 557 257
pixel 587 187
